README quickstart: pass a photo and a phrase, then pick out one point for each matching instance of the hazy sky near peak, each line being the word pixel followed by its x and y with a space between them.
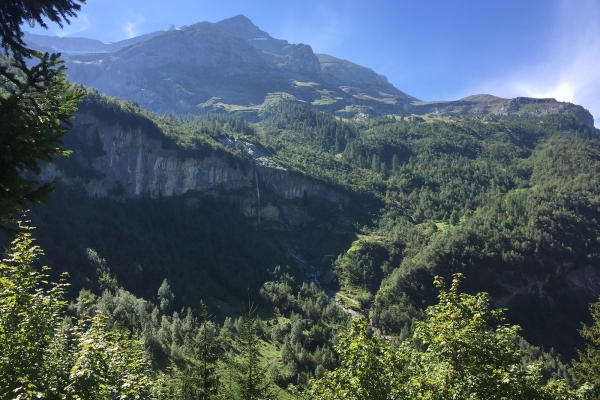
pixel 432 50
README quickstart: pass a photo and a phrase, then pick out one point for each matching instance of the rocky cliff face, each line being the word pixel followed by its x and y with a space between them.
pixel 108 160
pixel 132 164
pixel 345 73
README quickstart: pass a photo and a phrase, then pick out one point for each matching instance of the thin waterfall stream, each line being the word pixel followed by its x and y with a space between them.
pixel 257 195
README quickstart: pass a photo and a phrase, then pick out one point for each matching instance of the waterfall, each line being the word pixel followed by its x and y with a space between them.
pixel 257 195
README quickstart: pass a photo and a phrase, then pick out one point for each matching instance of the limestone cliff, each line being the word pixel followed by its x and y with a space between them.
pixel 109 160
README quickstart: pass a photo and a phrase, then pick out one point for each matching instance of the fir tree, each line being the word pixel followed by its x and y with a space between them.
pixel 252 382
pixel 200 380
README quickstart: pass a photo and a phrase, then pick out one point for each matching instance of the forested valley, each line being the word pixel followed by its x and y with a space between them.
pixel 195 294
pixel 293 253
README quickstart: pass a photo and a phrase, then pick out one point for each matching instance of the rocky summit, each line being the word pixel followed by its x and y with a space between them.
pixel 233 66
pixel 229 66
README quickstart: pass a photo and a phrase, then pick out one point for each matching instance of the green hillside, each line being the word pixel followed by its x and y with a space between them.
pixel 512 202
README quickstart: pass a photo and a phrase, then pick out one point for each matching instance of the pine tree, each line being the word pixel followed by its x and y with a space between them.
pixel 454 218
pixel 375 163
pixel 587 369
pixel 384 169
pixel 252 382
pixel 395 163
pixel 36 103
pixel 200 380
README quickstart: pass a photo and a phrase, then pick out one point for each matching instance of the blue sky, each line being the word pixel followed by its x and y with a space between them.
pixel 433 50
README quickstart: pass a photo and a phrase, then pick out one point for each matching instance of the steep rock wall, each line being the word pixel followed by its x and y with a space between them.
pixel 133 164
pixel 110 160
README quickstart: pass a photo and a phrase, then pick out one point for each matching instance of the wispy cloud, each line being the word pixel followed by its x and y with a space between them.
pixel 570 71
pixel 79 24
pixel 130 27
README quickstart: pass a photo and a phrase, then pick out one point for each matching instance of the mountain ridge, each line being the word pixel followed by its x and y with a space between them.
pixel 276 67
pixel 232 66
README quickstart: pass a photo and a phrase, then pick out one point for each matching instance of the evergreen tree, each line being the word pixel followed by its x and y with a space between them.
pixel 36 103
pixel 384 169
pixel 199 380
pixel 375 163
pixel 454 218
pixel 252 382
pixel 587 369
pixel 395 163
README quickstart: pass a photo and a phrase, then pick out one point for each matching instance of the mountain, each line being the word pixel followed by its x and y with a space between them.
pixel 228 66
pixel 484 104
pixel 369 207
pixel 233 66
pixel 78 45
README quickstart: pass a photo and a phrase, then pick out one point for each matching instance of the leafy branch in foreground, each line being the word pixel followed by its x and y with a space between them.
pixel 454 353
pixel 587 369
pixel 43 356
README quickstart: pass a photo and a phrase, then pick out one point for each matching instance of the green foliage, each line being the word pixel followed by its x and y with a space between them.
pixel 320 130
pixel 587 369
pixel 109 363
pixel 366 263
pixel 250 375
pixel 43 356
pixel 36 103
pixel 463 357
pixel 30 312
pixel 369 369
pixel 453 353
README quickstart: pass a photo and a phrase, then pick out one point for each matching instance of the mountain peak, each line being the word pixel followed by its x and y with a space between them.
pixel 243 27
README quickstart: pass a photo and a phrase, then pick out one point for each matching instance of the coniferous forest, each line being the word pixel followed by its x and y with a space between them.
pixel 462 262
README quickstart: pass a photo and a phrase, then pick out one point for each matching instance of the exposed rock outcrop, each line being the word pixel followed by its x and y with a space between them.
pixel 302 59
pixel 485 104
pixel 345 73
pixel 109 160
